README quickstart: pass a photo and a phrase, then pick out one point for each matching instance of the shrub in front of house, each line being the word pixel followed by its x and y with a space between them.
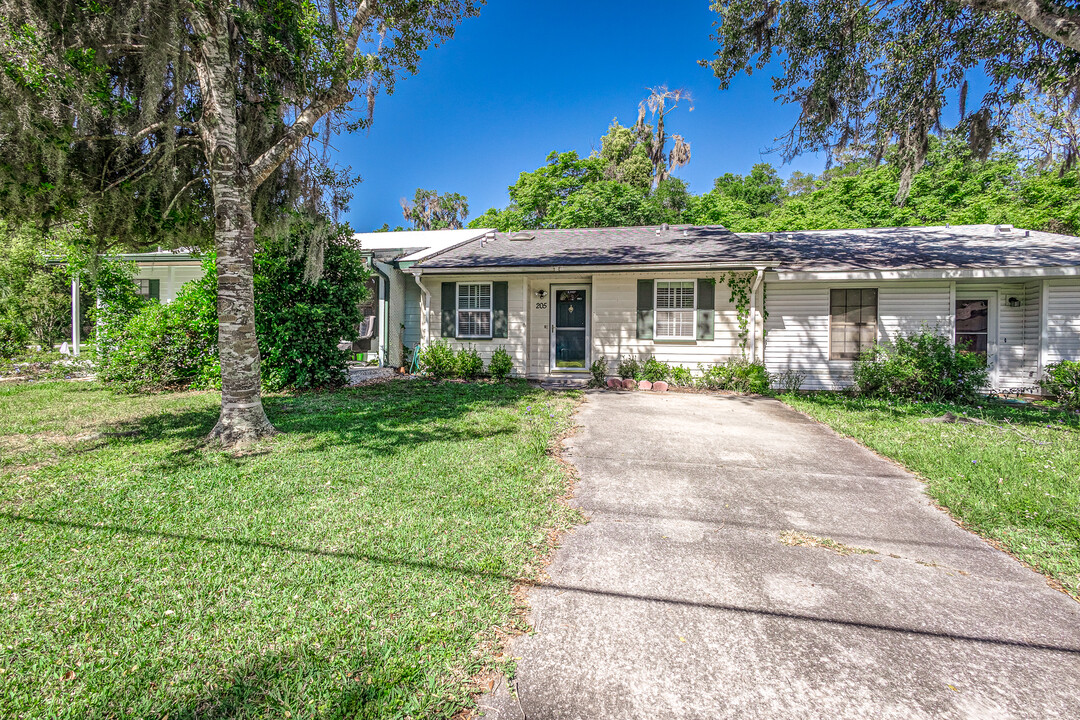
pixel 165 346
pixel 737 375
pixel 437 360
pixel 468 365
pixel 923 366
pixel 1062 381
pixel 680 376
pixel 501 364
pixel 629 369
pixel 14 336
pixel 654 370
pixel 598 370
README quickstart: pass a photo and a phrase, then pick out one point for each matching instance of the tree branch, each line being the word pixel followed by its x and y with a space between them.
pixel 337 94
pixel 1063 28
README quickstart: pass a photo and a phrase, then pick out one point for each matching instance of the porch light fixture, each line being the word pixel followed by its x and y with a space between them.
pixel 1014 302
pixel 541 293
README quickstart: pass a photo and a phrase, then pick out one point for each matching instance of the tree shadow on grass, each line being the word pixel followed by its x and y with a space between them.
pixel 383 420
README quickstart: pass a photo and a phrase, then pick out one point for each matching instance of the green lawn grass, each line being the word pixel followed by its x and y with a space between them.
pixel 355 565
pixel 1015 480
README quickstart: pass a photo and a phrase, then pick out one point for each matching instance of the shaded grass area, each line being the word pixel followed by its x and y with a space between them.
pixel 1015 479
pixel 353 566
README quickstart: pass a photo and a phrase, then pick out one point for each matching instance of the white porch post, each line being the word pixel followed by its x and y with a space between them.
pixel 76 330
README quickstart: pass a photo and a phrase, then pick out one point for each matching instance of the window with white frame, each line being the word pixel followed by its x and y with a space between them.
pixel 675 309
pixel 144 287
pixel 474 310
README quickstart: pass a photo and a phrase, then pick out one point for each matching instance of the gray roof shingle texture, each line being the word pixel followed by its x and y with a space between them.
pixel 959 246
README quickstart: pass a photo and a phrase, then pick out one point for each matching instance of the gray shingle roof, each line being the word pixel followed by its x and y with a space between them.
pixel 959 246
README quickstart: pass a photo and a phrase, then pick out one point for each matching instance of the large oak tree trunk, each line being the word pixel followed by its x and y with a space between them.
pixel 242 418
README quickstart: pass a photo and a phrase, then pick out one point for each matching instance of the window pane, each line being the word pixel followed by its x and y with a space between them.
pixel 972 342
pixel 852 321
pixel 474 297
pixel 674 295
pixel 972 316
pixel 474 323
pixel 675 323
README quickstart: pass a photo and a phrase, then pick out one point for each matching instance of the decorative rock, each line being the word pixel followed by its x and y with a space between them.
pixel 614 384
pixel 645 385
pixel 629 384
pixel 660 386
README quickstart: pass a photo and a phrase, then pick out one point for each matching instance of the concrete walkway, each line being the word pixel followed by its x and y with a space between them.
pixel 678 599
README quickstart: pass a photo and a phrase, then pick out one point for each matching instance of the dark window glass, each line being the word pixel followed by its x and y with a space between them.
pixel 972 325
pixel 852 322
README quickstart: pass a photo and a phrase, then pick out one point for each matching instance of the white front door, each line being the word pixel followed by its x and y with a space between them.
pixel 976 326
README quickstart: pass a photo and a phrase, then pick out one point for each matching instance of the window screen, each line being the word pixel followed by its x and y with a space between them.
pixel 852 322
pixel 675 309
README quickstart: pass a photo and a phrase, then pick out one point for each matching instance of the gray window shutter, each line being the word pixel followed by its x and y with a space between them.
pixel 500 292
pixel 645 310
pixel 449 309
pixel 155 290
pixel 706 308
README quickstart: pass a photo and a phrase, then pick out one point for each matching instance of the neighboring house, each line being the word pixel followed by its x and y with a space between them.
pixel 811 301
pixel 396 310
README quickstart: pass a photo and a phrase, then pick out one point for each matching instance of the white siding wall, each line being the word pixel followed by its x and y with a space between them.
pixel 798 324
pixel 172 276
pixel 1063 320
pixel 1033 290
pixel 1015 363
pixel 514 344
pixel 614 329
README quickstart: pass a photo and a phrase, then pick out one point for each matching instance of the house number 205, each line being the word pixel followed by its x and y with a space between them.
pixel 541 306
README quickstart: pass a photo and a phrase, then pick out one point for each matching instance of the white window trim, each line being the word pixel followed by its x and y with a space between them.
pixel 490 311
pixel 657 310
pixel 877 316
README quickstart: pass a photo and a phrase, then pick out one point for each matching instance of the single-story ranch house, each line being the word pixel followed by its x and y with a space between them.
pixel 809 302
pixel 559 299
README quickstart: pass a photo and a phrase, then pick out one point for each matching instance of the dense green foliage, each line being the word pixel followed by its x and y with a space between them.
pixel 429 210
pixel 871 78
pixel 437 360
pixel 952 187
pixel 737 375
pixel 501 364
pixel 468 364
pixel 144 345
pixel 360 566
pixel 598 372
pixel 300 321
pixel 1012 480
pixel 923 366
pixel 1062 381
pixel 35 299
pixel 168 345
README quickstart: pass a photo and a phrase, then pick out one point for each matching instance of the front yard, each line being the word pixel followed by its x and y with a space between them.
pixel 1015 479
pixel 357 565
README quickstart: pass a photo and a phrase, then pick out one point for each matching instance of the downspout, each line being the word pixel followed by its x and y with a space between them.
pixel 758 279
pixel 425 303
pixel 384 311
pixel 76 329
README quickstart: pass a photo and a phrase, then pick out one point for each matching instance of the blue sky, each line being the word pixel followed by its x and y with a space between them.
pixel 523 79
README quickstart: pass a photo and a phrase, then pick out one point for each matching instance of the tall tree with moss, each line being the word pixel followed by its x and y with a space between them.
pixel 870 76
pixel 175 98
pixel 428 210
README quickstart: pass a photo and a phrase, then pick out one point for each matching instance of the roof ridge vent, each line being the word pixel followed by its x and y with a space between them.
pixel 521 236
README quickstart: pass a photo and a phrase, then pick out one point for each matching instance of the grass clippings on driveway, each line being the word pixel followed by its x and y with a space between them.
pixel 1015 479
pixel 349 567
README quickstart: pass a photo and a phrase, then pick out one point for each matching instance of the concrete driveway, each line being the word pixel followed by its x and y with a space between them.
pixel 679 600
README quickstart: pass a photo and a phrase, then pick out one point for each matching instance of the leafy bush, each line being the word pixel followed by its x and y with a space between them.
pixel 437 360
pixel 654 371
pixel 468 364
pixel 923 366
pixel 118 301
pixel 789 381
pixel 598 370
pixel 738 375
pixel 14 336
pixel 300 322
pixel 681 376
pixel 501 364
pixel 168 345
pixel 1062 380
pixel 629 369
